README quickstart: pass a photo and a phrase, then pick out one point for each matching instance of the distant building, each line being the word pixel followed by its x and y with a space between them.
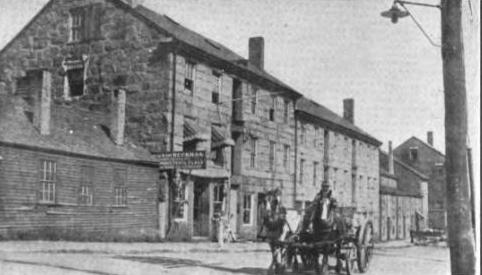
pixel 331 148
pixel 403 198
pixel 425 158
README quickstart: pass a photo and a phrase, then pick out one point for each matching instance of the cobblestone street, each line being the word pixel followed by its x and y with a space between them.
pixel 191 258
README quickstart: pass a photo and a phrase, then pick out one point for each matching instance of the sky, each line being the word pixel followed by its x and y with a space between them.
pixel 334 49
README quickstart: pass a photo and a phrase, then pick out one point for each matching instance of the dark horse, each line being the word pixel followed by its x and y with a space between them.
pixel 274 226
pixel 321 224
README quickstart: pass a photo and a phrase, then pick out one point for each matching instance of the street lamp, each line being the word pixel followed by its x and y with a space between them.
pixel 460 230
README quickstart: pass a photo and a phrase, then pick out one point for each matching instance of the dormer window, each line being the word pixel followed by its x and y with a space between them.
pixel 413 153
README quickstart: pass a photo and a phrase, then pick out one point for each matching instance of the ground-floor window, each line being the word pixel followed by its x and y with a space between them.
pixel 47 181
pixel 120 195
pixel 247 209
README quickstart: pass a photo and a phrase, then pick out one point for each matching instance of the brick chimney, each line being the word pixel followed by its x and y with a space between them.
pixel 42 105
pixel 118 116
pixel 349 109
pixel 391 168
pixel 430 138
pixel 256 51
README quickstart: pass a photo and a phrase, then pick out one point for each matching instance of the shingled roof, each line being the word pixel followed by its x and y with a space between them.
pixel 333 120
pixel 73 130
pixel 208 46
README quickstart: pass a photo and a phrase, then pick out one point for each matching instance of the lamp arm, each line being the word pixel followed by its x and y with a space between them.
pixel 402 2
pixel 418 25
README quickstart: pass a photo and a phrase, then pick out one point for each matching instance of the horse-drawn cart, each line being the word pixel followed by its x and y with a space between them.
pixel 350 250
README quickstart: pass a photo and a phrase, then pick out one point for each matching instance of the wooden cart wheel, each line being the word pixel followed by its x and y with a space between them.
pixel 365 248
pixel 350 259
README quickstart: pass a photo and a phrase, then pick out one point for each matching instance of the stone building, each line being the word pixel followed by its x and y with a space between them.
pixel 428 160
pixel 331 148
pixel 403 198
pixel 144 83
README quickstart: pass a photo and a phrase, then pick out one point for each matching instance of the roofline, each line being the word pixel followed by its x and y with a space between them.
pixel 79 155
pixel 157 27
pixel 343 129
pixel 26 26
pixel 411 169
pixel 428 145
pixel 388 175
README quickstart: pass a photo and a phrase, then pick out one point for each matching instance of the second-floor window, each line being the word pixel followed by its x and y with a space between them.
pixel 189 77
pixel 272 109
pixel 47 181
pixel 413 153
pixel 254 99
pixel 286 156
pixel 85 23
pixel 77 17
pixel 302 133
pixel 272 152
pixel 217 88
pixel 252 147
pixel 286 106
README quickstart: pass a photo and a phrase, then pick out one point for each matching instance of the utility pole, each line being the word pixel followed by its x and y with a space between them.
pixel 460 233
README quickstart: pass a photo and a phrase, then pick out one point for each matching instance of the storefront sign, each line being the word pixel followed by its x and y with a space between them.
pixel 182 160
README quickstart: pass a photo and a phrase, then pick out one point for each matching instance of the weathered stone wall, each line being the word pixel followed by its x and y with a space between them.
pixel 123 51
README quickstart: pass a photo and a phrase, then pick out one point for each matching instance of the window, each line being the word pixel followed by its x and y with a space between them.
pixel 413 153
pixel 272 108
pixel 179 205
pixel 47 181
pixel 302 168
pixel 252 146
pixel 77 17
pixel 85 23
pixel 86 185
pixel 326 139
pixel 218 156
pixel 254 99
pixel 353 188
pixel 302 134
pixel 317 137
pixel 189 77
pixel 217 89
pixel 120 189
pixel 272 149
pixel 315 172
pixel 218 194
pixel 247 209
pixel 286 106
pixel 286 156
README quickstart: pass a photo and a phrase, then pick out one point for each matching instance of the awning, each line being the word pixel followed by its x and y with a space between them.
pixel 211 173
pixel 193 132
pixel 220 138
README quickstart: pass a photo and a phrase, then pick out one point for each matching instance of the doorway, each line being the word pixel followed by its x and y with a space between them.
pixel 201 210
pixel 260 212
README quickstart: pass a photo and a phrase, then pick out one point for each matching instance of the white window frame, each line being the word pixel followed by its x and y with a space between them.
pixel 48 181
pixel 251 202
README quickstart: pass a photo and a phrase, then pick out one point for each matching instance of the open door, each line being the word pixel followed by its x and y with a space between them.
pixel 201 210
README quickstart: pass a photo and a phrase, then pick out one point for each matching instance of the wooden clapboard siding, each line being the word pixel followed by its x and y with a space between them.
pixel 20 210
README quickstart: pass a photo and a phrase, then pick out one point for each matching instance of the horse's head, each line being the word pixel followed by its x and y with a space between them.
pixel 273 201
